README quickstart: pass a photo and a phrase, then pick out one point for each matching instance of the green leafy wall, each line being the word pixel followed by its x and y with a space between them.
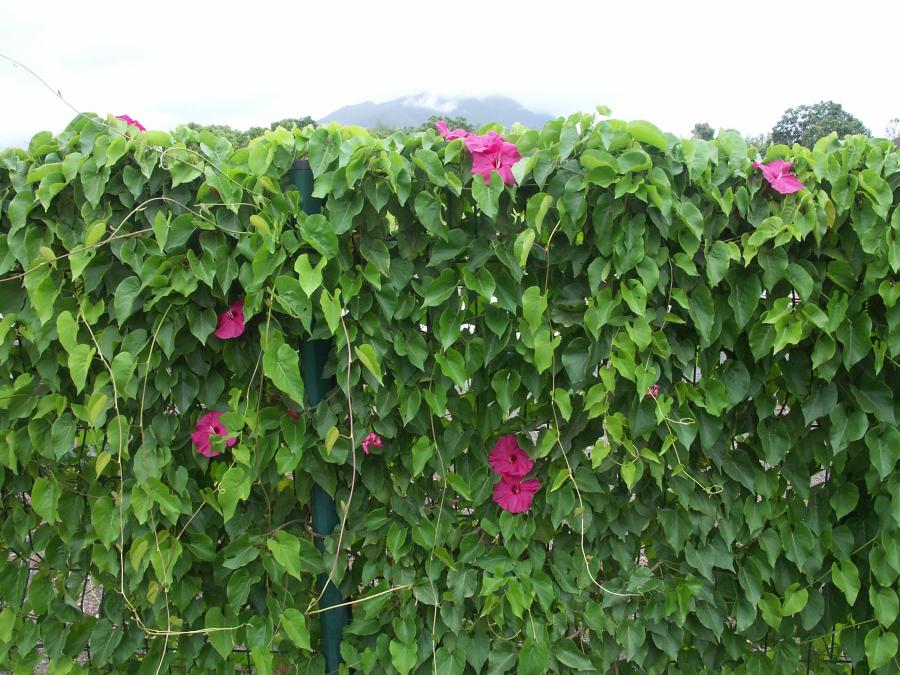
pixel 744 519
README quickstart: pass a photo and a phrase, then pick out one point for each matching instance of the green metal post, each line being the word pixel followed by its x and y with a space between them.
pixel 324 511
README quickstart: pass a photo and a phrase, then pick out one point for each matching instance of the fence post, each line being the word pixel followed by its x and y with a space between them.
pixel 324 512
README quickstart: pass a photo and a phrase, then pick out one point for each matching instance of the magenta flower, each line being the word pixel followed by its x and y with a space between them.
pixel 130 122
pixel 492 153
pixel 508 459
pixel 231 322
pixel 515 495
pixel 653 392
pixel 371 439
pixel 208 425
pixel 490 142
pixel 293 414
pixel 778 173
pixel 450 135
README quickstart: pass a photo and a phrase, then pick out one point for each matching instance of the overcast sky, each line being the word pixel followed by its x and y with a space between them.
pixel 731 64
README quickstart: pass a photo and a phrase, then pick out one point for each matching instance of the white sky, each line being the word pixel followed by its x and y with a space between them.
pixel 731 64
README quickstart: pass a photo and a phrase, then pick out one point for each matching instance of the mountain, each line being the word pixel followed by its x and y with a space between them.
pixel 412 111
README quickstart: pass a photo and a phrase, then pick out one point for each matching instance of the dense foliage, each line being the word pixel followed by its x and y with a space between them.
pixel 240 138
pixel 703 371
pixel 806 124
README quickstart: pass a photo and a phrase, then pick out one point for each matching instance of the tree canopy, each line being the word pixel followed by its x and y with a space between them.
pixel 703 131
pixel 806 124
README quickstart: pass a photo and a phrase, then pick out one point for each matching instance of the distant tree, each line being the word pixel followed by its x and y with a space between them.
pixel 240 139
pixel 291 122
pixel 759 141
pixel 806 124
pixel 703 131
pixel 452 122
pixel 892 130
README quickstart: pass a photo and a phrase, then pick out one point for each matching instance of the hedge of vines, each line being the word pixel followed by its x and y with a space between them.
pixel 702 370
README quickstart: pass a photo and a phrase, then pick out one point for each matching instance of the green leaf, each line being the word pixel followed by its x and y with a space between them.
pixel 544 347
pixel 233 488
pixel 537 209
pixel 771 610
pixel 453 365
pixel 7 623
pixel 800 279
pixel 282 367
pixel 703 312
pixel 223 641
pixel 880 648
pixel 421 453
pixel 440 288
pixel 67 330
pixel 369 358
pixel 318 233
pixel 534 658
pixel 534 304
pixel 42 291
pixel 94 233
pixel 459 485
pixel 429 211
pixel 310 277
pixel 522 246
pixel 162 222
pixel 634 160
pixel 331 308
pixel 856 336
pixel 403 656
pixel 122 366
pixel 125 298
pixel 429 162
pixel 884 602
pixel 884 448
pixel 104 639
pixel 487 195
pixel 875 397
pixel 45 499
pixel 105 519
pixel 844 500
pixel 647 133
pixel 846 577
pixel 563 403
pixel 293 622
pixel 718 259
pixel 285 548
pixel 795 599
pixel 629 471
pixel 262 658
pixel 80 359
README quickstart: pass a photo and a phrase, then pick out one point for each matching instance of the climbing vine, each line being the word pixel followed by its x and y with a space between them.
pixel 686 362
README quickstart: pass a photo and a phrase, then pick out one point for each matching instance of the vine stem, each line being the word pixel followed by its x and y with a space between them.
pixel 565 455
pixel 350 603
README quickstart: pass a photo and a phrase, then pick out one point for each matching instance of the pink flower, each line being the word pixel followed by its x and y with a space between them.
pixel 371 439
pixel 131 122
pixel 293 414
pixel 491 153
pixel 508 459
pixel 490 142
pixel 231 322
pixel 653 392
pixel 515 495
pixel 450 135
pixel 778 173
pixel 208 425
